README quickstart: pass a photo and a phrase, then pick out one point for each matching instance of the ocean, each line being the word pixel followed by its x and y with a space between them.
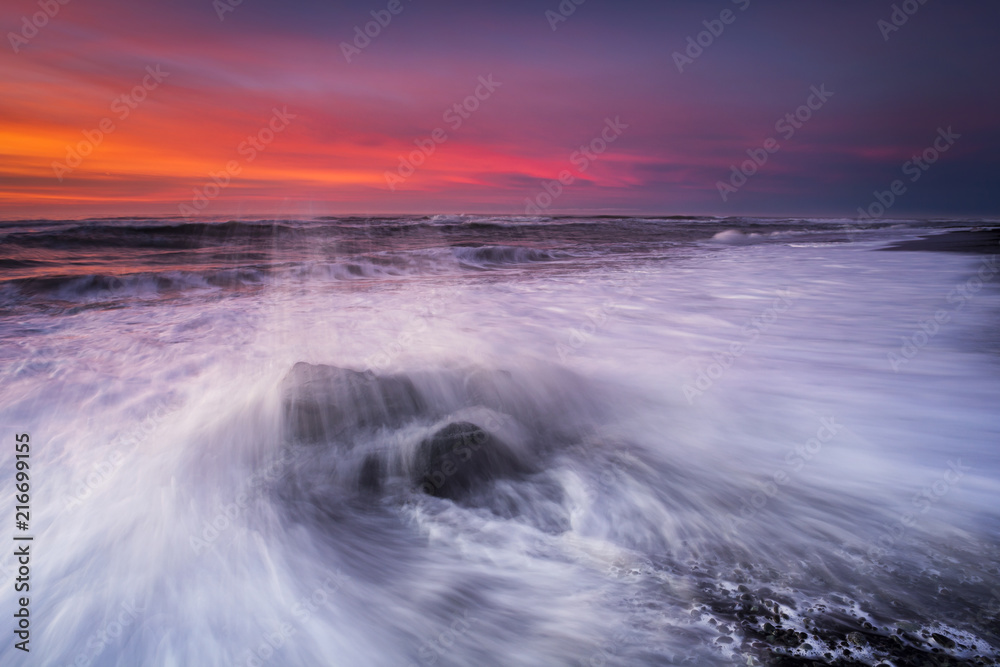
pixel 487 440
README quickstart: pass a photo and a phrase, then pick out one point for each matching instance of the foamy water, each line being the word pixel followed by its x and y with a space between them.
pixel 712 425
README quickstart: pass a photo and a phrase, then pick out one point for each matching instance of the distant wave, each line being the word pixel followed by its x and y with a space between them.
pixel 180 235
pixel 96 260
pixel 88 288
pixel 98 287
pixel 496 255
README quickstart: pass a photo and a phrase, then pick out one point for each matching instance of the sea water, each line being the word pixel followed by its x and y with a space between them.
pixel 732 431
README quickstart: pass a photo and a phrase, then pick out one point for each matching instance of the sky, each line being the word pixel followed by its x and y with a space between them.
pixel 263 108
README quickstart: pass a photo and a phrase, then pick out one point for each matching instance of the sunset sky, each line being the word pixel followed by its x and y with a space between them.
pixel 223 70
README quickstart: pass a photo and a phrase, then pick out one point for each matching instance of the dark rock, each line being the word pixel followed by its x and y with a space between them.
pixel 370 479
pixel 322 402
pixel 462 457
pixel 943 641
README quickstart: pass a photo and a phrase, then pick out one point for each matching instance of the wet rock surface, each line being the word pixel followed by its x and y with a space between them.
pixel 765 627
pixel 363 422
pixel 323 402
pixel 462 457
pixel 373 471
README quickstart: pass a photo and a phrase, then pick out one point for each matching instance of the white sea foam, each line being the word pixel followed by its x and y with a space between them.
pixel 176 523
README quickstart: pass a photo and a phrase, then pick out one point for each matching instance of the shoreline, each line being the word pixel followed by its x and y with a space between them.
pixel 985 242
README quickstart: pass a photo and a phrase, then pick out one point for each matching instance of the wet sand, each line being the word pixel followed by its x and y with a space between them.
pixel 984 242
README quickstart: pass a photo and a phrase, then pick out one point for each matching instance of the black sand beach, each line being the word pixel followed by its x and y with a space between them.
pixel 984 242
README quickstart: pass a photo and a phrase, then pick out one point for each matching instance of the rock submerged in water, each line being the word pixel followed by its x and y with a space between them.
pixel 462 457
pixel 339 406
pixel 370 478
pixel 322 402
